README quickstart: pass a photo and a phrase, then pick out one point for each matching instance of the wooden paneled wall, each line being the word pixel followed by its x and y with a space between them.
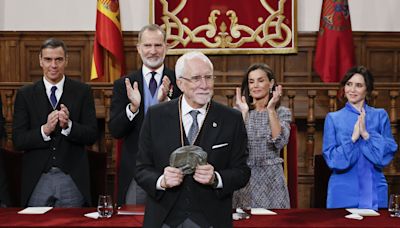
pixel 308 98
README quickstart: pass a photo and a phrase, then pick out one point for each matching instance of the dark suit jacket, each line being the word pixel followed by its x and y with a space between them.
pixel 2 122
pixel 31 109
pixel 160 136
pixel 121 128
pixel 4 197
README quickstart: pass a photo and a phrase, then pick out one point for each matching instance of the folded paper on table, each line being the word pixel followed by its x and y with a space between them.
pixel 93 215
pixel 261 211
pixel 354 216
pixel 131 210
pixel 363 212
pixel 35 210
pixel 240 216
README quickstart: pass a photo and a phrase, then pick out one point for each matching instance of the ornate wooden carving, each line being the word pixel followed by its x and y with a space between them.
pixel 229 99
pixel 9 109
pixel 379 52
pixel 310 129
pixel 393 122
pixel 107 135
pixel 332 94
pixel 291 94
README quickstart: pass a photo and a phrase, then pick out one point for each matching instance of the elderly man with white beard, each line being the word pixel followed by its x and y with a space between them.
pixel 202 198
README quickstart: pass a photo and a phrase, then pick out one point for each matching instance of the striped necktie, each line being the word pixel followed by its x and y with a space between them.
pixel 53 98
pixel 194 129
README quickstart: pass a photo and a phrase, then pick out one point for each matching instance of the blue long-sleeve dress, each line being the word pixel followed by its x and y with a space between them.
pixel 357 180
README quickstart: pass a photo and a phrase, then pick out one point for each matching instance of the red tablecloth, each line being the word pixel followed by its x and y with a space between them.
pixel 65 217
pixel 59 217
pixel 317 218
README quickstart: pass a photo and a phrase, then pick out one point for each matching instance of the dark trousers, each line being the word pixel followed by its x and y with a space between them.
pixel 188 223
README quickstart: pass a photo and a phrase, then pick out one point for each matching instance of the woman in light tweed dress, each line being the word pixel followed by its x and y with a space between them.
pixel 268 129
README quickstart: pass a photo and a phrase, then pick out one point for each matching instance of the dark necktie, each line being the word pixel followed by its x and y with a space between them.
pixel 153 84
pixel 194 129
pixel 53 98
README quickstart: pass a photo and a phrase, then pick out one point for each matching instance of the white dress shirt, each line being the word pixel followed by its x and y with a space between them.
pixel 58 93
pixel 187 121
pixel 146 72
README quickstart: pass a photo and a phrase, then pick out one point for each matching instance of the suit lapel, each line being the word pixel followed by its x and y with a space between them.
pixel 174 90
pixel 210 129
pixel 174 126
pixel 139 78
pixel 43 102
pixel 67 95
pixel 167 74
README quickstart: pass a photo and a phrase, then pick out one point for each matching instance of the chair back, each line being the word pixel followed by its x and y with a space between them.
pixel 321 179
pixel 13 170
pixel 98 174
pixel 289 155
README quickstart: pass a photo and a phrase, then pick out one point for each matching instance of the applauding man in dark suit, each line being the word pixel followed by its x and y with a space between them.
pixel 54 119
pixel 132 96
pixel 204 198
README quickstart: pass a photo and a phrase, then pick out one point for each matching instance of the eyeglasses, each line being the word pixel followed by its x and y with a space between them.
pixel 197 79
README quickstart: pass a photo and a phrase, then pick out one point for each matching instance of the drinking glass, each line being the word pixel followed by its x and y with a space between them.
pixel 394 205
pixel 105 206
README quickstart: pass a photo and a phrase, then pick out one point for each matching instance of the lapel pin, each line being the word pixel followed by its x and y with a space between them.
pixel 214 124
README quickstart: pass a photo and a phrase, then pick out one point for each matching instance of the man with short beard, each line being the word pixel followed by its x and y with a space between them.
pixel 132 96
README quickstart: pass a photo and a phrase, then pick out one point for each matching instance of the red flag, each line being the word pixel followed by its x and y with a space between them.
pixel 108 55
pixel 108 42
pixel 334 54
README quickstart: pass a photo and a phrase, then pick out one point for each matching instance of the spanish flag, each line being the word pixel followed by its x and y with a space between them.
pixel 108 56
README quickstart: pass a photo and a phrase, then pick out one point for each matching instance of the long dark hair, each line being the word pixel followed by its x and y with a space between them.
pixel 245 83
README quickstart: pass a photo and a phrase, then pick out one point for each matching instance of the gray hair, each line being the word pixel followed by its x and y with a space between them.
pixel 151 27
pixel 181 62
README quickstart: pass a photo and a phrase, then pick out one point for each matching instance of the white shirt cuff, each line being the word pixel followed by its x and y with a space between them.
pixel 67 130
pixel 158 185
pixel 220 185
pixel 129 113
pixel 44 136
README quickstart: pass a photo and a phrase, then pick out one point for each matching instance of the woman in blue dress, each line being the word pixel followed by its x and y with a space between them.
pixel 357 145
